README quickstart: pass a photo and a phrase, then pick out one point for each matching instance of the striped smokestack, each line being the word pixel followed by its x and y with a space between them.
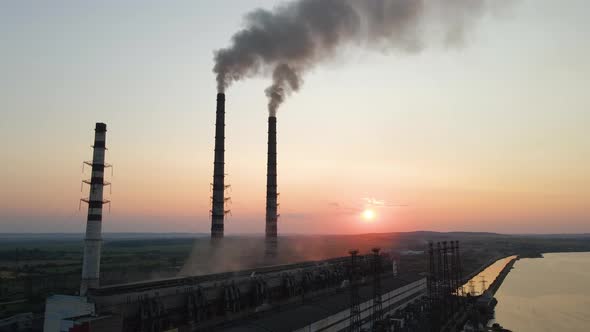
pixel 271 187
pixel 93 239
pixel 217 211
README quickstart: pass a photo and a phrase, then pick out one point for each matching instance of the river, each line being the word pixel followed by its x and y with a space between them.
pixel 546 294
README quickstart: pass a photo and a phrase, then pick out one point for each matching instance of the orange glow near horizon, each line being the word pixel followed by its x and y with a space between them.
pixel 357 151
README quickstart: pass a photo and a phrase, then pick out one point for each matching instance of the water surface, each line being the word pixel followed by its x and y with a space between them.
pixel 546 294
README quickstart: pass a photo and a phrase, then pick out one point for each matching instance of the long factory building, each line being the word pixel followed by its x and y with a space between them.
pixel 310 296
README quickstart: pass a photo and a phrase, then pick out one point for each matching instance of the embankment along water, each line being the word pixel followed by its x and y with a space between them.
pixel 486 277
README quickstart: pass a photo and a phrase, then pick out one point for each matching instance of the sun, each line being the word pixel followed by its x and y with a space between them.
pixel 368 215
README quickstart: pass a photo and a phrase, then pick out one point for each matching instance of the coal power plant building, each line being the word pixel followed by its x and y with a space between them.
pixel 309 296
pixel 337 294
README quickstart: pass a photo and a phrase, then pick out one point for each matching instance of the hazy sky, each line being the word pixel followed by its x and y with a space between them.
pixel 492 136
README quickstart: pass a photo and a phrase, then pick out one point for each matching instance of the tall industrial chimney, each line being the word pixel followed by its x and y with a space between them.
pixel 271 188
pixel 93 239
pixel 217 210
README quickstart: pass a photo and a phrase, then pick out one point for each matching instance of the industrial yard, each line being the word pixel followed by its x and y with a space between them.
pixel 244 202
pixel 51 265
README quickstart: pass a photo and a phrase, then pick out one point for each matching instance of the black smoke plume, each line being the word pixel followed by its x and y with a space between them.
pixel 296 36
pixel 285 80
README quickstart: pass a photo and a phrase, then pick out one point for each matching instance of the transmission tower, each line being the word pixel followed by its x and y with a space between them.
pixel 471 284
pixel 459 268
pixel 377 305
pixel 431 275
pixel 446 279
pixel 355 309
pixel 483 284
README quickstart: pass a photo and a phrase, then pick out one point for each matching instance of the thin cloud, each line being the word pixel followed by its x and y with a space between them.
pixel 374 202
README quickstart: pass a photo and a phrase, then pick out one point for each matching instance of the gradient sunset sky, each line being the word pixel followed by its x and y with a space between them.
pixel 492 136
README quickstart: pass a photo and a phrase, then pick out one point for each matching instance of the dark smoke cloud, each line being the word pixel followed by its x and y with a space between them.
pixel 286 80
pixel 294 37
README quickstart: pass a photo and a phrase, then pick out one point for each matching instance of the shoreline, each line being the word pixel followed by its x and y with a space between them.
pixel 497 283
pixel 495 286
pixel 540 254
pixel 482 268
pixel 489 263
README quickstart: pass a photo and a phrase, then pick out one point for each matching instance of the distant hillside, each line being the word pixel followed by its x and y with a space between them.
pixel 20 237
pixel 23 237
